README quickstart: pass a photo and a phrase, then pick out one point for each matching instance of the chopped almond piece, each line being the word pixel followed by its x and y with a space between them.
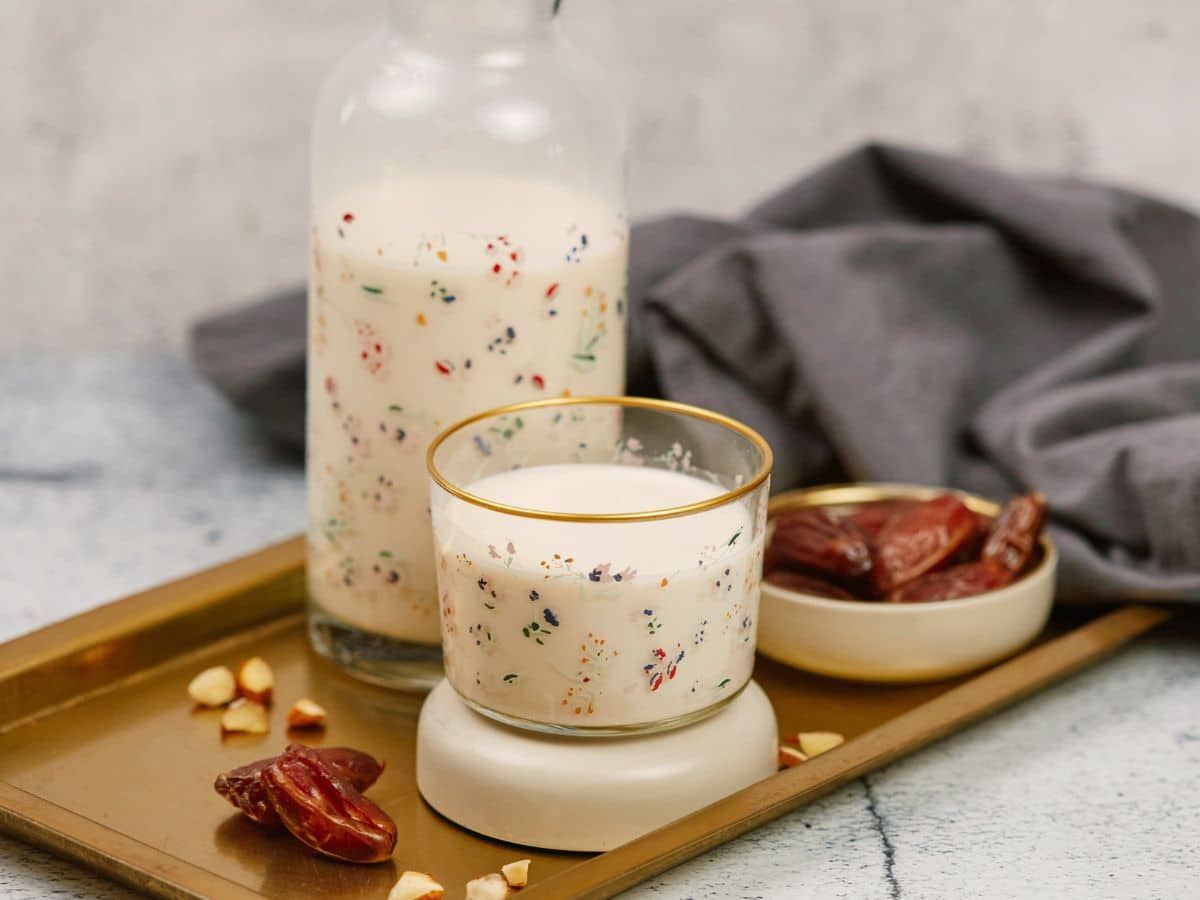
pixel 245 717
pixel 306 713
pixel 416 886
pixel 516 873
pixel 814 743
pixel 790 756
pixel 212 687
pixel 255 680
pixel 487 887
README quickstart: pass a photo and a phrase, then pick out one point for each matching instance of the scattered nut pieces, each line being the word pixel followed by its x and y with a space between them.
pixel 814 743
pixel 245 717
pixel 516 873
pixel 416 886
pixel 255 680
pixel 212 687
pixel 306 713
pixel 790 756
pixel 487 887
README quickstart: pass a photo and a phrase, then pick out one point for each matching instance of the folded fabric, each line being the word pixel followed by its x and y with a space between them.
pixel 903 316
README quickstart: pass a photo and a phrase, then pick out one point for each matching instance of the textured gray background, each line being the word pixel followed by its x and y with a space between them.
pixel 154 158
pixel 155 152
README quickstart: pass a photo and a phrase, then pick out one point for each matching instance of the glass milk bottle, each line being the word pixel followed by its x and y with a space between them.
pixel 469 249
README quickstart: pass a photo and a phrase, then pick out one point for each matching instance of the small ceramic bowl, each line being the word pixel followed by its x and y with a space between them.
pixel 890 642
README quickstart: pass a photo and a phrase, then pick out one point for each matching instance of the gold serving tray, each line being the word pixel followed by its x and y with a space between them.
pixel 103 760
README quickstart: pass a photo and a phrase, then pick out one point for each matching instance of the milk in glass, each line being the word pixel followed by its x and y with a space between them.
pixel 597 624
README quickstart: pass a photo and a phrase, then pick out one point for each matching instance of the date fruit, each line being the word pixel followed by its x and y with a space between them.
pixel 807 584
pixel 244 788
pixel 814 539
pixel 360 769
pixel 871 517
pixel 327 813
pixel 964 580
pixel 1013 536
pixel 920 539
pixel 916 551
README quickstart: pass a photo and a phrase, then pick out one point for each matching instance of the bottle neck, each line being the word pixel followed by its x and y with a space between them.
pixel 502 16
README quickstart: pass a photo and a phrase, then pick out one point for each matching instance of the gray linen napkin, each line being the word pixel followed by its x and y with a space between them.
pixel 904 316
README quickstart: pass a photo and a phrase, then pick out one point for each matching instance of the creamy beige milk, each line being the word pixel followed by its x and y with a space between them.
pixel 597 624
pixel 429 300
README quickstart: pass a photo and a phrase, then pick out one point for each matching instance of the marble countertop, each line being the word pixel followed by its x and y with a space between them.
pixel 117 473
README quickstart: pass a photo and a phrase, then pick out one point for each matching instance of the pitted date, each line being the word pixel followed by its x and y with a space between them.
pixel 244 788
pixel 921 539
pixel 360 769
pixel 964 580
pixel 872 517
pixel 1013 536
pixel 916 551
pixel 814 539
pixel 327 813
pixel 807 584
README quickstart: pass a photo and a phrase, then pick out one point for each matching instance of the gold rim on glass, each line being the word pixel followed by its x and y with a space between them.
pixel 670 512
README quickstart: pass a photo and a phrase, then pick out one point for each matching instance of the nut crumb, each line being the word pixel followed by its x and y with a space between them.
pixel 245 717
pixel 212 687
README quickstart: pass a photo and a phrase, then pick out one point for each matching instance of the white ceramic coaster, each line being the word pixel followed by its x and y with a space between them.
pixel 564 793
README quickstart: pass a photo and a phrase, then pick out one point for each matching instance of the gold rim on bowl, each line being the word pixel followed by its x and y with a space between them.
pixel 668 406
pixel 870 492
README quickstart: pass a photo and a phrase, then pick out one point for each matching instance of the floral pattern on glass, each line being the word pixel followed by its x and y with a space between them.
pixel 410 329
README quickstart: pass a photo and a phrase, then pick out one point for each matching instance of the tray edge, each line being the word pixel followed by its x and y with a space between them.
pixel 1003 685
pixel 92 651
pixel 139 866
